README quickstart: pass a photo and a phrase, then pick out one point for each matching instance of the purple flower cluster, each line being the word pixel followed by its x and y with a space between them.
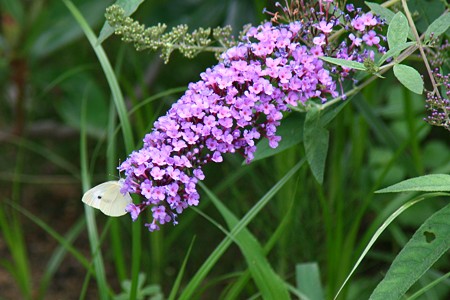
pixel 439 105
pixel 236 102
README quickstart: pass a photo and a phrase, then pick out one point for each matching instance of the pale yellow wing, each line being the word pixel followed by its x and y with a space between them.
pixel 107 198
pixel 114 202
pixel 93 197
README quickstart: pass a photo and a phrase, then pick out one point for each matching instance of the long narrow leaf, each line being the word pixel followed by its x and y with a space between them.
pixel 177 283
pixel 269 283
pixel 316 143
pixel 13 234
pixel 429 243
pixel 89 212
pixel 426 183
pixel 429 286
pixel 240 284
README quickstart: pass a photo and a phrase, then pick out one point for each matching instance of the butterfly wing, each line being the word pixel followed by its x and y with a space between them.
pixel 94 196
pixel 108 199
pixel 114 202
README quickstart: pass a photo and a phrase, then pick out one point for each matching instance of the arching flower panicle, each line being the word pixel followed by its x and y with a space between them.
pixel 237 102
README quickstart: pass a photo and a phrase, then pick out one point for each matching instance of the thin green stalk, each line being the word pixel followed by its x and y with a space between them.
pixel 115 233
pixel 136 247
pixel 335 200
pixel 16 243
pixel 413 133
pixel 89 211
pixel 419 43
pixel 429 286
pixel 157 255
pixel 111 158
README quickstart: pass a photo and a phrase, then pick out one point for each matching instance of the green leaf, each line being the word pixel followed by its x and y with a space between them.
pixel 425 12
pixel 316 143
pixel 427 245
pixel 409 77
pixel 382 11
pixel 394 52
pixel 291 132
pixel 397 31
pixel 438 27
pixel 344 63
pixel 129 6
pixel 427 183
pixel 308 280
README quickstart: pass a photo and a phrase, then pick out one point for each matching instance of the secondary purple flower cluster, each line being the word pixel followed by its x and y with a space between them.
pixel 236 103
pixel 439 105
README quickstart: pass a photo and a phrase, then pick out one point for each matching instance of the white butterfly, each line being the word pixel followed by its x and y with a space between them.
pixel 108 198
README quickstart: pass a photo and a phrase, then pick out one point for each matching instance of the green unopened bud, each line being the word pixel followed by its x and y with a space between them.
pixel 156 37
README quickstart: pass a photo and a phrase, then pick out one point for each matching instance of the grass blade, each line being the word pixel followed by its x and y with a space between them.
pixel 58 256
pixel 196 280
pixel 61 240
pixel 269 283
pixel 89 212
pixel 109 74
pixel 177 282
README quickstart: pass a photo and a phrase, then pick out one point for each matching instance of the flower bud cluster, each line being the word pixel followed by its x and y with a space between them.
pixel 156 37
